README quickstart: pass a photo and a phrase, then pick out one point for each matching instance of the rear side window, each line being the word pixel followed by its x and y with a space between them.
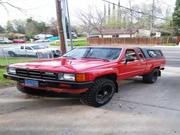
pixel 155 53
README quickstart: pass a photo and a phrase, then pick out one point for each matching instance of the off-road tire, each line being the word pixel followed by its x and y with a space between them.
pixel 90 97
pixel 151 77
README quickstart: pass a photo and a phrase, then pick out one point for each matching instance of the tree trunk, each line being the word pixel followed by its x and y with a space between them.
pixel 60 27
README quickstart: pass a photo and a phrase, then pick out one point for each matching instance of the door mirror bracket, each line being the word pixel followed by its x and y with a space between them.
pixel 128 59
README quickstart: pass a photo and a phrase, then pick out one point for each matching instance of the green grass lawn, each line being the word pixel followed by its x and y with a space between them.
pixel 5 82
pixel 170 44
pixel 8 61
pixel 82 42
pixel 3 66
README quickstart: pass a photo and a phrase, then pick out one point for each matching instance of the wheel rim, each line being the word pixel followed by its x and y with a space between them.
pixel 104 94
pixel 11 54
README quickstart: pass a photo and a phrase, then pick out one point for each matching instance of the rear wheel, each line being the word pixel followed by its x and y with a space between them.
pixel 151 77
pixel 12 54
pixel 100 94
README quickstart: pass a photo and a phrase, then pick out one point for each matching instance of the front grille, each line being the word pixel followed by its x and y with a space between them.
pixel 36 74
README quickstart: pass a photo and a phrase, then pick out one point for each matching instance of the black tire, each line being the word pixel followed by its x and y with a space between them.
pixel 12 54
pixel 151 77
pixel 100 94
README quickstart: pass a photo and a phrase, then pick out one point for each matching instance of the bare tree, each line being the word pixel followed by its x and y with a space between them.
pixel 6 5
pixel 93 20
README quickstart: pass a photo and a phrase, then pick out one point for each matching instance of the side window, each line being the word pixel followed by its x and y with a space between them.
pixel 131 53
pixel 22 47
pixel 154 53
pixel 141 56
pixel 159 53
pixel 28 48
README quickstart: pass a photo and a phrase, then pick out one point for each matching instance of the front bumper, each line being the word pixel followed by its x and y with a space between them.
pixel 53 85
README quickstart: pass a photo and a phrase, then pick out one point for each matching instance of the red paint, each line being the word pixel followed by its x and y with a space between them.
pixel 59 90
pixel 94 68
pixel 19 41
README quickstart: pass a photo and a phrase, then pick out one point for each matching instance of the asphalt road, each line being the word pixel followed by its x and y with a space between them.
pixel 138 109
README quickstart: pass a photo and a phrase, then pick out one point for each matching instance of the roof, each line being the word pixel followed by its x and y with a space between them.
pixel 124 47
pixel 114 32
pixel 17 34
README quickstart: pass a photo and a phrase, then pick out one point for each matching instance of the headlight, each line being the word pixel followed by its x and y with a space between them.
pixel 66 76
pixel 11 70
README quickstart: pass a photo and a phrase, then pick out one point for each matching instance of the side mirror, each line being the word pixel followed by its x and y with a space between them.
pixel 128 59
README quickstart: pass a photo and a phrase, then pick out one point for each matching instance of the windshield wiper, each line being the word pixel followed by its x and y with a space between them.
pixel 96 58
pixel 69 57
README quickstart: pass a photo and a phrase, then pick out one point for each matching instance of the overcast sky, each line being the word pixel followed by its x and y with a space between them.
pixel 45 9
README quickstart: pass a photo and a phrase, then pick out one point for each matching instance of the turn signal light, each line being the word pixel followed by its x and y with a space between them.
pixel 80 77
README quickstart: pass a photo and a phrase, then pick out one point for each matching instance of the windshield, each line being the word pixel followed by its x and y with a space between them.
pixel 36 47
pixel 94 53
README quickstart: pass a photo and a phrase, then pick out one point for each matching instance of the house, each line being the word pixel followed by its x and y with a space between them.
pixel 125 33
pixel 111 33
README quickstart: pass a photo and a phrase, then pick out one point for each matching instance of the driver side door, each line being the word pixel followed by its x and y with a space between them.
pixel 29 51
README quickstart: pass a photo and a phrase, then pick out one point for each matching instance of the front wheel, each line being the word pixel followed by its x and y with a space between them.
pixel 100 94
pixel 151 77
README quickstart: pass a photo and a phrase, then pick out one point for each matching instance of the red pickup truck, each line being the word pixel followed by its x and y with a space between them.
pixel 91 72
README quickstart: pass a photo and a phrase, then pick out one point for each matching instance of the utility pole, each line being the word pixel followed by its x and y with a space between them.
pixel 131 12
pixel 105 12
pixel 60 27
pixel 109 13
pixel 69 24
pixel 114 12
pixel 119 12
pixel 152 17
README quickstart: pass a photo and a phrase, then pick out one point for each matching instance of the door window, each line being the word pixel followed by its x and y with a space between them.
pixel 131 54
pixel 28 48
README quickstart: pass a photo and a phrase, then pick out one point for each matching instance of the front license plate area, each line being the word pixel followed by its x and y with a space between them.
pixel 31 83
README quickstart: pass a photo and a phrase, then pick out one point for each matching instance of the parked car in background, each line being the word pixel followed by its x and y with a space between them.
pixel 19 41
pixel 54 38
pixel 42 40
pixel 5 41
pixel 74 35
pixel 42 36
pixel 32 50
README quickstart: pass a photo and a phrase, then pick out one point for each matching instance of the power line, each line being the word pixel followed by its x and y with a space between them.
pixel 139 12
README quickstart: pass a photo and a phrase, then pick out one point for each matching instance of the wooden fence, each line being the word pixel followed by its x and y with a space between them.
pixel 130 41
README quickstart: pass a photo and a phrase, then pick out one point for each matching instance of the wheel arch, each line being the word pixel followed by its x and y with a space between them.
pixel 112 76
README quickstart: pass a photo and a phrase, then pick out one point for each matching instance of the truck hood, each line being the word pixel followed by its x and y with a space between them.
pixel 63 65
